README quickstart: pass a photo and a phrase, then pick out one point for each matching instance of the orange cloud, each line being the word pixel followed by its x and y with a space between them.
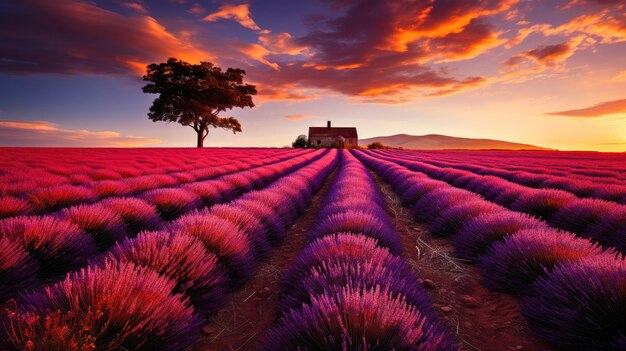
pixel 532 63
pixel 465 84
pixel 359 52
pixel 473 40
pixel 281 43
pixel 620 77
pixel 298 117
pixel 44 133
pixel 67 39
pixel 256 52
pixel 284 92
pixel 437 19
pixel 337 68
pixel 524 33
pixel 597 110
pixel 239 13
pixel 608 26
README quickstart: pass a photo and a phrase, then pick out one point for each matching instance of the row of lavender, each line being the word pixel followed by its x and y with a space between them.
pixel 349 289
pixel 602 221
pixel 23 171
pixel 591 166
pixel 28 198
pixel 49 167
pixel 572 180
pixel 38 248
pixel 154 290
pixel 572 291
pixel 535 179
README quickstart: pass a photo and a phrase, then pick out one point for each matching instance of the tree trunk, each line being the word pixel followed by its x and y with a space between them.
pixel 200 138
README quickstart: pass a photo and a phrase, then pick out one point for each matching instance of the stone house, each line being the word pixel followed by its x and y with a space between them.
pixel 340 137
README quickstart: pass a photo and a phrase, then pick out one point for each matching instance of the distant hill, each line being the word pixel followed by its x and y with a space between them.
pixel 438 142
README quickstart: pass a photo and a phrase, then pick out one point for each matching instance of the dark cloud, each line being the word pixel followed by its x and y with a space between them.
pixel 74 37
pixel 514 61
pixel 550 54
pixel 381 50
pixel 376 50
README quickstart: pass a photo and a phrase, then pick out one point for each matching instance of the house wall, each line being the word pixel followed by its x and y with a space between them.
pixel 330 142
pixel 352 142
pixel 323 141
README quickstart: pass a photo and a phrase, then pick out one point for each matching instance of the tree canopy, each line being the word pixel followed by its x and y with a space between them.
pixel 377 145
pixel 300 142
pixel 195 94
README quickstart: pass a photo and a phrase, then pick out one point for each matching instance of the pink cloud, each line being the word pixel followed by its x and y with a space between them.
pixel 44 133
pixel 239 13
pixel 298 117
pixel 597 110
pixel 136 6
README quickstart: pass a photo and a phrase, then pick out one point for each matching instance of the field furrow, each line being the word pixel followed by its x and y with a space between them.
pixel 601 221
pixel 274 249
pixel 555 273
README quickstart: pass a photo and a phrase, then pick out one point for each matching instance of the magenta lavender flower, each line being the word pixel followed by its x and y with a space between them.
pixel 223 238
pixel 579 215
pixel 101 223
pixel 431 205
pixel 248 224
pixel 55 198
pixel 391 275
pixel 452 220
pixel 57 245
pixel 276 227
pixel 482 231
pixel 515 263
pixel 542 203
pixel 172 202
pixel 359 222
pixel 106 188
pixel 182 258
pixel 610 230
pixel 357 320
pixel 17 269
pixel 417 190
pixel 355 247
pixel 136 213
pixel 120 305
pixel 580 305
pixel 208 193
pixel 12 206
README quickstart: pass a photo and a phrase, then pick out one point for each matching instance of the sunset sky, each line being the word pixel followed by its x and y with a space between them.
pixel 550 72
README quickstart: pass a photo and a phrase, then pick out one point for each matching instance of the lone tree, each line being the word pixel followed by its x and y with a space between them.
pixel 194 95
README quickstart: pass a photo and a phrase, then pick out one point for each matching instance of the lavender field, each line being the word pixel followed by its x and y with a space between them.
pixel 144 249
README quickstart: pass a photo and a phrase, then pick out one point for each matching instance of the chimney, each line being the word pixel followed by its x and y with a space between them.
pixel 327 124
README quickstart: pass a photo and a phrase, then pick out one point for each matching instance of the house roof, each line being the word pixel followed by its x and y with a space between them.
pixel 346 132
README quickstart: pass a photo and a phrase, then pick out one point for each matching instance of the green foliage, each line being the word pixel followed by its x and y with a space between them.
pixel 300 142
pixel 194 95
pixel 377 145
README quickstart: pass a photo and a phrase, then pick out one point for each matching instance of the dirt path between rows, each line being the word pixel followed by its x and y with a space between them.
pixel 482 320
pixel 251 311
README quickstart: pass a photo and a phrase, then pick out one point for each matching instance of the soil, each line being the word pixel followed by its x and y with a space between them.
pixel 482 319
pixel 251 311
